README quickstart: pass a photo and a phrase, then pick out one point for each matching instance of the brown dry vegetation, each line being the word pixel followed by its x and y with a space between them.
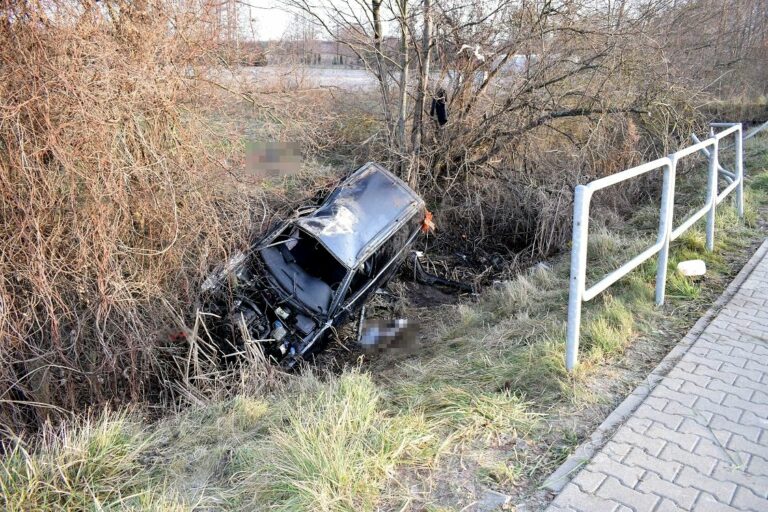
pixel 115 199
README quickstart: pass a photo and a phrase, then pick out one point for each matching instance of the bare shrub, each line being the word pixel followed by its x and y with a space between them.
pixel 115 200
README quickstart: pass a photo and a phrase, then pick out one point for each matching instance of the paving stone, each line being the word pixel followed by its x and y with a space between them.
pixel 639 425
pixel 712 364
pixel 716 449
pixel 743 349
pixel 752 419
pixel 722 490
pixel 728 378
pixel 734 371
pixel 695 391
pixel 745 499
pixel 747 405
pixel 589 481
pixel 681 397
pixel 683 440
pixel 617 450
pixel 702 463
pixel 742 478
pixel 708 503
pixel 707 407
pixel 627 475
pixel 759 397
pixel 653 444
pixel 677 375
pixel 740 362
pixel 739 443
pixel 656 403
pixel 750 432
pixel 757 365
pixel 574 499
pixel 683 496
pixel 665 469
pixel 745 383
pixel 667 505
pixel 758 466
pixel 694 426
pixel 730 389
pixel 669 420
pixel 638 501
pixel 710 343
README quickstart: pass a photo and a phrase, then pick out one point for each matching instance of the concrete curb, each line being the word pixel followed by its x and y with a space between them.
pixel 568 469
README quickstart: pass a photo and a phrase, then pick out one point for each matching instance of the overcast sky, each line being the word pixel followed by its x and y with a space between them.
pixel 270 21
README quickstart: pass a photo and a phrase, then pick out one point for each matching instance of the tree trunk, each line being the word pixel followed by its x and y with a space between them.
pixel 381 65
pixel 402 142
pixel 417 132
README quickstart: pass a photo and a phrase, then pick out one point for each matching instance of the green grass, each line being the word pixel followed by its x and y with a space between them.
pixel 760 183
pixel 332 450
pixel 608 333
pixel 462 414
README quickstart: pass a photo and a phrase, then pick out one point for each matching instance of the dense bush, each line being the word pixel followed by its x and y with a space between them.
pixel 114 201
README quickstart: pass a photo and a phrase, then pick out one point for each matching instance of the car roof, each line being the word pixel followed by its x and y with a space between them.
pixel 361 213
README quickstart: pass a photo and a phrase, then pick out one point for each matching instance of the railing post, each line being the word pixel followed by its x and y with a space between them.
pixel 712 192
pixel 581 200
pixel 666 217
pixel 740 172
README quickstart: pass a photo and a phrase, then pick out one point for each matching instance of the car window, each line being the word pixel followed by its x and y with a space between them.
pixel 379 259
pixel 363 275
pixel 309 254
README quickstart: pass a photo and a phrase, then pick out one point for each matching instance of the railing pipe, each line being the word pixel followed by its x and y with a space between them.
pixel 620 272
pixel 740 173
pixel 665 227
pixel 754 131
pixel 581 200
pixel 728 175
pixel 712 194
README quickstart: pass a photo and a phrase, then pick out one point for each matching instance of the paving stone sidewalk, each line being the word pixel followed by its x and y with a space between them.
pixel 699 440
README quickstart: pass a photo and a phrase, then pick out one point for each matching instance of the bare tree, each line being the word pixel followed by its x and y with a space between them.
pixel 402 142
pixel 425 57
pixel 513 68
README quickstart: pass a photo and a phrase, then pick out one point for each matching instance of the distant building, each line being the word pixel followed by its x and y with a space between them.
pixel 313 53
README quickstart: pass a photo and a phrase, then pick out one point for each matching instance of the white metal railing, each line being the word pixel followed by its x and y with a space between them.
pixel 710 147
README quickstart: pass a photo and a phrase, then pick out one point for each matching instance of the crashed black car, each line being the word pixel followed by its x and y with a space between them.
pixel 315 271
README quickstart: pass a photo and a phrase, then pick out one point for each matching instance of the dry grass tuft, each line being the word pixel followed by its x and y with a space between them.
pixel 100 463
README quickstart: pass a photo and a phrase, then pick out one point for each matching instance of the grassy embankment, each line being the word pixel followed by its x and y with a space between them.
pixel 487 403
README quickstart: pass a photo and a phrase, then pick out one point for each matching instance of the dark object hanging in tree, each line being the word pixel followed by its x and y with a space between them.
pixel 438 110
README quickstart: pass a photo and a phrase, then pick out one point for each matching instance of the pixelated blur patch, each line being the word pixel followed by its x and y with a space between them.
pixel 398 334
pixel 273 159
